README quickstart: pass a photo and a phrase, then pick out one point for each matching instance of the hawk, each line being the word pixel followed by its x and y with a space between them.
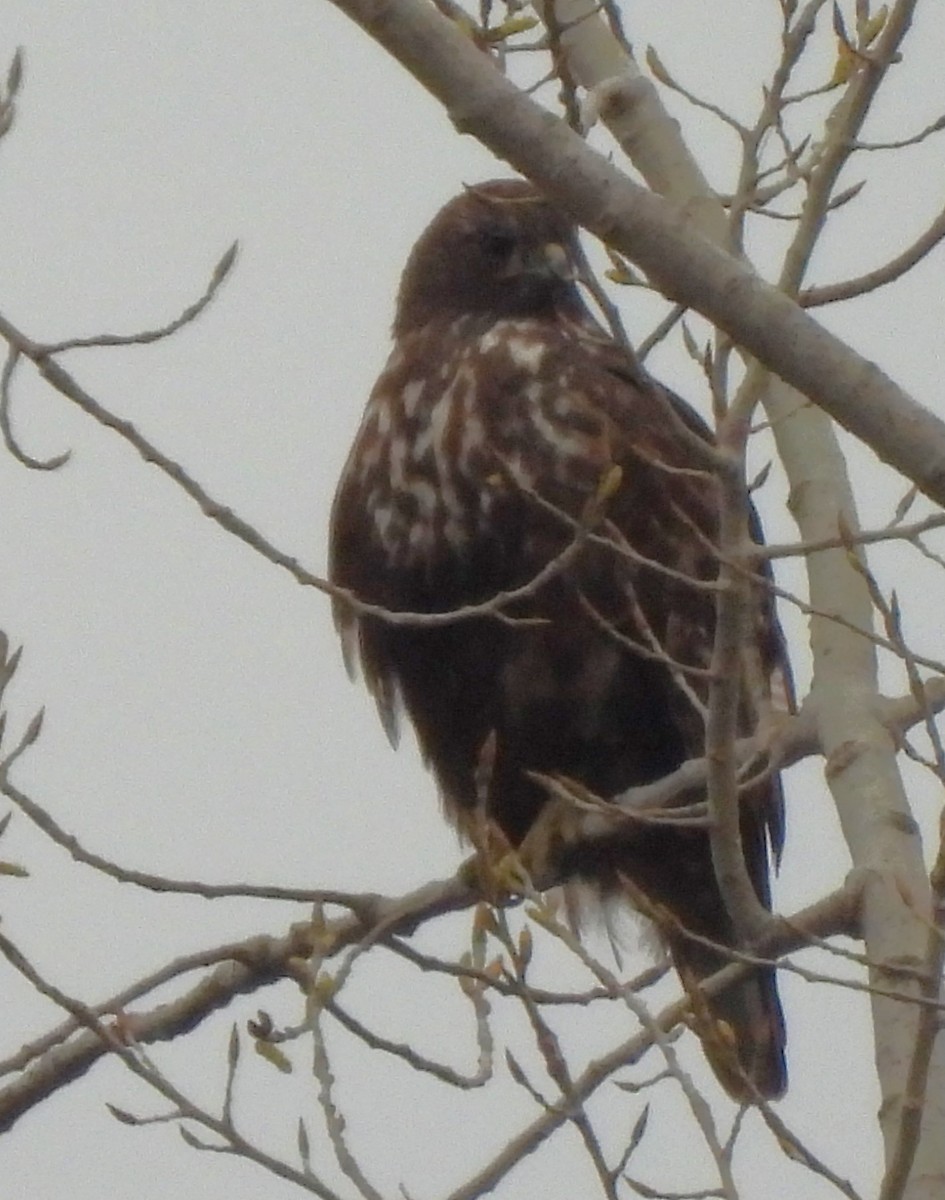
pixel 510 445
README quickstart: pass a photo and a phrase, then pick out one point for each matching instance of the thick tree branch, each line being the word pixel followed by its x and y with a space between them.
pixel 264 960
pixel 861 766
pixel 656 236
pixel 255 963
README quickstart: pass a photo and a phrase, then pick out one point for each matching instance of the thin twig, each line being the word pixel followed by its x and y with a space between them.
pixel 161 883
pixel 149 336
pixel 112 1041
pixel 879 276
pixel 419 1062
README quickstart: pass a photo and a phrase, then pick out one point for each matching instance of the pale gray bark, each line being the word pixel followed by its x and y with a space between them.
pixel 676 243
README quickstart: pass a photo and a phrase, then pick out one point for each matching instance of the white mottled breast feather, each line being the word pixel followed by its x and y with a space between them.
pixel 431 438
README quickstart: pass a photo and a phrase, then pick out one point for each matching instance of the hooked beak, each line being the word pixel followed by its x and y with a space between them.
pixel 557 262
pixel 550 261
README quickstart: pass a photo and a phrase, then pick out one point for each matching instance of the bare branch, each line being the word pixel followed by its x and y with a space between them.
pixel 935 126
pixel 160 883
pixel 6 425
pixel 862 538
pixel 113 1040
pixel 733 608
pixel 255 963
pixel 419 1062
pixel 148 336
pixel 880 276
pixel 335 1122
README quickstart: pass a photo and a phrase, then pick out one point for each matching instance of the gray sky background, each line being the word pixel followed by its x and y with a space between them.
pixel 199 721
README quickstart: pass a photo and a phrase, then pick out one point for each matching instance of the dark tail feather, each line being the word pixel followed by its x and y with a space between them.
pixel 667 875
pixel 741 1029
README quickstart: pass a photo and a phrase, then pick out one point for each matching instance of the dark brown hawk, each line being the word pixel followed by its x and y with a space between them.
pixel 505 420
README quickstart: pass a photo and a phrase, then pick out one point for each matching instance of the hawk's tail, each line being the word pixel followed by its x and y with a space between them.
pixel 741 1028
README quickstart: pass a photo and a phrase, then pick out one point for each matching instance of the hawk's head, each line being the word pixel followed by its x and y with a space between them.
pixel 500 248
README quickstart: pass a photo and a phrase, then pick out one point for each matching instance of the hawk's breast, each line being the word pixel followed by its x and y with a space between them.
pixel 462 418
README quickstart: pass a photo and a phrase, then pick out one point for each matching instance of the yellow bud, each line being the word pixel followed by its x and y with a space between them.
pixel 272 1054
pixel 509 27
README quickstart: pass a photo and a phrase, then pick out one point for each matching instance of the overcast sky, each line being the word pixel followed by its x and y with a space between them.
pixel 199 722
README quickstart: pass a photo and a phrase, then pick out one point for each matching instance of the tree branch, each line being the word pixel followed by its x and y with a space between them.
pixel 656 236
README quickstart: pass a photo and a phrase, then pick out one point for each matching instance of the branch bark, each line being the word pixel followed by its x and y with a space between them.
pixel 263 960
pixel 659 238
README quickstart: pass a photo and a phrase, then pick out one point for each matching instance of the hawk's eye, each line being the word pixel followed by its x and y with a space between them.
pixel 497 244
